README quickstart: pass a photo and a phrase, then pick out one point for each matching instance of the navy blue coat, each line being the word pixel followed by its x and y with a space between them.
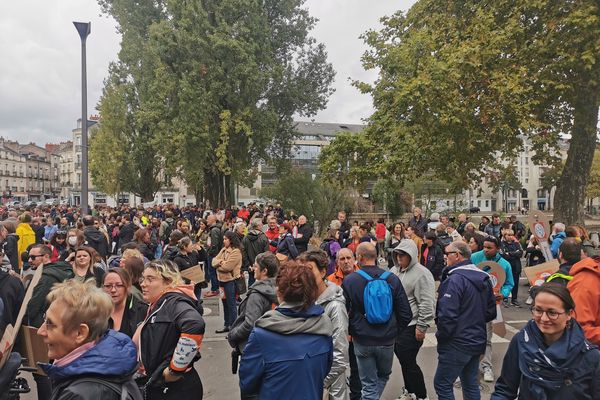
pixel 291 367
pixel 465 304
pixel 573 374
pixel 361 330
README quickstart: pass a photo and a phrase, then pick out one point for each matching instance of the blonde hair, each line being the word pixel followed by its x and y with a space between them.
pixel 132 253
pixel 167 270
pixel 83 303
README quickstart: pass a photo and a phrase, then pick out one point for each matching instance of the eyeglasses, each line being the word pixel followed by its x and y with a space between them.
pixel 148 279
pixel 551 314
pixel 34 256
pixel 49 324
pixel 116 286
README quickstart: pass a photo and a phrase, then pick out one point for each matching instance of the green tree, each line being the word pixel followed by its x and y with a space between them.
pixel 462 84
pixel 318 199
pixel 226 78
pixel 390 195
pixel 593 189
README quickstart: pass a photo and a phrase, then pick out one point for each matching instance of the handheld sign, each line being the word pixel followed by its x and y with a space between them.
pixel 498 277
pixel 496 273
pixel 195 273
pixel 539 223
pixel 537 274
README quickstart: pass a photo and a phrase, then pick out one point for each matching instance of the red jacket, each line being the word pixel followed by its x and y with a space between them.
pixel 380 231
pixel 272 235
pixel 585 290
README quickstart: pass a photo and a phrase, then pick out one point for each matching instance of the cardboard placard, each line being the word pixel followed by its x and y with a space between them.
pixel 10 334
pixel 195 273
pixel 539 224
pixel 33 348
pixel 537 274
pixel 496 273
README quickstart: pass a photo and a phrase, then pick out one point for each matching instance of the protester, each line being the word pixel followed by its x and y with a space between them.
pixel 304 234
pixel 12 293
pixel 558 235
pixel 550 358
pixel 75 239
pixel 374 341
pixel 228 264
pixel 260 298
pixel 89 361
pixel 465 305
pixel 9 244
pixel 170 337
pixel 432 255
pixel 417 222
pixel 419 286
pixel 394 238
pixel 272 233
pixel 494 228
pixel 214 246
pixel 58 245
pixel 289 352
pixel 585 290
pixel 94 237
pixel 491 252
pixel 569 253
pixel 144 243
pixel 512 252
pixel 253 244
pixel 331 298
pixel 286 249
pixel 25 235
pixel 353 240
pixel 85 267
pixel 128 312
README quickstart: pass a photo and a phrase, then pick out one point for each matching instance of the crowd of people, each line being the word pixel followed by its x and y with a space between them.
pixel 304 320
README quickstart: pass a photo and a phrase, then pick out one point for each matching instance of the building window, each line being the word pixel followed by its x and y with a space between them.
pixel 487 203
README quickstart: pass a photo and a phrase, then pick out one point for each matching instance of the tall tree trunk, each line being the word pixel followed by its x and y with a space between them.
pixel 218 188
pixel 569 198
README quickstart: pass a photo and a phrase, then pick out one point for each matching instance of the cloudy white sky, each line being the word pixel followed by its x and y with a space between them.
pixel 40 86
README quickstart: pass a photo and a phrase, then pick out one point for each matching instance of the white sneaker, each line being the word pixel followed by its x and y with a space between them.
pixel 488 375
pixel 407 396
pixel 529 301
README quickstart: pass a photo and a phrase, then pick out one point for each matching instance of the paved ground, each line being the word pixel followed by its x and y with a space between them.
pixel 219 384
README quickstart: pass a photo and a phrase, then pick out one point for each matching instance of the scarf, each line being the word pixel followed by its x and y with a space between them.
pixel 549 368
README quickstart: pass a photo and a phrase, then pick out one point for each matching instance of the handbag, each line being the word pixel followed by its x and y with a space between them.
pixel 281 257
pixel 240 285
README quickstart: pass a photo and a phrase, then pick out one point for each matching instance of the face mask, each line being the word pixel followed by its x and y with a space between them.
pixel 72 240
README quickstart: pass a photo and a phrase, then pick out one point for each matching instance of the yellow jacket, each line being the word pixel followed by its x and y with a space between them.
pixel 26 238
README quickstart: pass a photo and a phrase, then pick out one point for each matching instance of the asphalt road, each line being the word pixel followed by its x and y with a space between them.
pixel 219 384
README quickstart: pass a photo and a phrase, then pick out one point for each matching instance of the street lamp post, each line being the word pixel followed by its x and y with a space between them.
pixel 84 29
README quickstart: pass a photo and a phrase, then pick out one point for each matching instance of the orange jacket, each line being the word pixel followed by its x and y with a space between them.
pixel 338 276
pixel 585 290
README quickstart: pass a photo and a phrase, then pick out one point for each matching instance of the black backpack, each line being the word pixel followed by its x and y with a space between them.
pixel 128 390
pixel 167 233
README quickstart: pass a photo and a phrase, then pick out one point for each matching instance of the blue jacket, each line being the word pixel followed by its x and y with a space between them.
pixel 465 304
pixel 113 358
pixel 288 355
pixel 509 283
pixel 568 369
pixel 361 330
pixel 556 242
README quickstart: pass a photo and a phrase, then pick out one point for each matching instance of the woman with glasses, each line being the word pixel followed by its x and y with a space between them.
pixel 128 311
pixel 170 337
pixel 550 358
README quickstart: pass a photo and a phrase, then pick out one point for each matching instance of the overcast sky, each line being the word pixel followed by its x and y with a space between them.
pixel 40 82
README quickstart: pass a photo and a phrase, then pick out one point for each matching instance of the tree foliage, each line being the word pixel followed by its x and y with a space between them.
pixel 225 79
pixel 462 84
pixel 390 195
pixel 318 199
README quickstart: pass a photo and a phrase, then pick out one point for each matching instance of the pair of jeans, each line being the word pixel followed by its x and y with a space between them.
pixel 229 303
pixel 453 363
pixel 374 367
pixel 486 361
pixel 212 274
pixel 406 348
pixel 354 380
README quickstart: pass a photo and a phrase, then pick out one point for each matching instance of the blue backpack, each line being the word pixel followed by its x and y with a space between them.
pixel 377 298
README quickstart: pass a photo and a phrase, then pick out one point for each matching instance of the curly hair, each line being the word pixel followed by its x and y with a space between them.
pixel 296 284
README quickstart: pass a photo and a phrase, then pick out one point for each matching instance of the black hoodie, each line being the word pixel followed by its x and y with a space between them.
pixel 254 243
pixel 96 240
pixel 12 293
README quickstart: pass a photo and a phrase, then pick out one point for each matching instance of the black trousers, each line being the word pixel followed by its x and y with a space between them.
pixel 406 349
pixel 354 383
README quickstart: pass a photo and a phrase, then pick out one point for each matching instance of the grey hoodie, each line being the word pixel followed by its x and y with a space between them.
pixel 334 303
pixel 309 322
pixel 418 284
